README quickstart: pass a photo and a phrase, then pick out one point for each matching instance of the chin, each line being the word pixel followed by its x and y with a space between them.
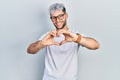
pixel 60 27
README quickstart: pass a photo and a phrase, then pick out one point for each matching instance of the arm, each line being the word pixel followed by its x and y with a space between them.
pixel 35 47
pixel 89 43
pixel 46 41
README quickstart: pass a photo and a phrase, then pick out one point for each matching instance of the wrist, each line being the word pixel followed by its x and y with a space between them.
pixel 78 38
pixel 42 43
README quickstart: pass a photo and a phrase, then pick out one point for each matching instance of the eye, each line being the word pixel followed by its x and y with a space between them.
pixel 52 18
pixel 61 16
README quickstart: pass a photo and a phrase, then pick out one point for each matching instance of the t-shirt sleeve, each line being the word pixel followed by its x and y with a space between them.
pixel 43 36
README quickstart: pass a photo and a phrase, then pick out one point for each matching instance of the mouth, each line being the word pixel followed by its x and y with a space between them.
pixel 58 25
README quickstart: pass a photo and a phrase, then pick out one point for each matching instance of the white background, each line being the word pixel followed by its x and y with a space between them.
pixel 24 21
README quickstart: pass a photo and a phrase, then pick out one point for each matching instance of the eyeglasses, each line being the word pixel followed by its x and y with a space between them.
pixel 60 17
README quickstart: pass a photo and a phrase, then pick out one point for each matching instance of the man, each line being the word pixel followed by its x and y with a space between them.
pixel 61 46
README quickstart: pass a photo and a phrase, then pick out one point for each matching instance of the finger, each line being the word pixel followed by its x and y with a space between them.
pixel 60 31
pixel 62 42
pixel 53 33
pixel 56 43
pixel 63 32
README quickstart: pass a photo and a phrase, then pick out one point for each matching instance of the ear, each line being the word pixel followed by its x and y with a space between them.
pixel 66 15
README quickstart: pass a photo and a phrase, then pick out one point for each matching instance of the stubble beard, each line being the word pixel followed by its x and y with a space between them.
pixel 62 26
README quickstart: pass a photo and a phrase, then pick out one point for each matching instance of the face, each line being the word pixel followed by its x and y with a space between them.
pixel 59 19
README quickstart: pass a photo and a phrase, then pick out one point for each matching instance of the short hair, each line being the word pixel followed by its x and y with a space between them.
pixel 57 6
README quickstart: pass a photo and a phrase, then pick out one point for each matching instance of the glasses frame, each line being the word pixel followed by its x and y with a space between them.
pixel 60 17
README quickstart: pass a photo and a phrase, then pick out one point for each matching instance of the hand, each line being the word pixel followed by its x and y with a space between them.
pixel 49 39
pixel 69 36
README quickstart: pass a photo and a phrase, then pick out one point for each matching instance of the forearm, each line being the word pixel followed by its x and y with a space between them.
pixel 35 47
pixel 89 43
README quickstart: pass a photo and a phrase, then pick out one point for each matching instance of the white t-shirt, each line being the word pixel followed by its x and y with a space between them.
pixel 61 62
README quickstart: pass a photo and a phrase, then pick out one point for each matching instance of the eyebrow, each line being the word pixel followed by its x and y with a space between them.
pixel 57 15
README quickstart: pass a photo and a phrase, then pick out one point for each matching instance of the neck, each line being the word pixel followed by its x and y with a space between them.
pixel 66 27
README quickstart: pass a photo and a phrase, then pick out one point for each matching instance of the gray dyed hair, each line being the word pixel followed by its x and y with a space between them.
pixel 57 6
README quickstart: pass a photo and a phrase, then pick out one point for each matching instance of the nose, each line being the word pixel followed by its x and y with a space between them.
pixel 58 20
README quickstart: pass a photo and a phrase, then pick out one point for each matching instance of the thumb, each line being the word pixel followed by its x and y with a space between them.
pixel 56 43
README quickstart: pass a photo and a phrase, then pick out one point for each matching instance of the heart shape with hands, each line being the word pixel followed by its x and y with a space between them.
pixel 69 37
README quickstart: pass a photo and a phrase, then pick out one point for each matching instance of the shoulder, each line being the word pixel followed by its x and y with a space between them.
pixel 43 35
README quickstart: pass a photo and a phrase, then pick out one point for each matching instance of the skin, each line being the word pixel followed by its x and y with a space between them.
pixel 61 28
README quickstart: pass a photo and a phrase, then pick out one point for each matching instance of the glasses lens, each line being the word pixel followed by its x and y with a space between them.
pixel 60 17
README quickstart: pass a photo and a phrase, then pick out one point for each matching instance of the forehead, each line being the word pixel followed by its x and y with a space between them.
pixel 56 13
